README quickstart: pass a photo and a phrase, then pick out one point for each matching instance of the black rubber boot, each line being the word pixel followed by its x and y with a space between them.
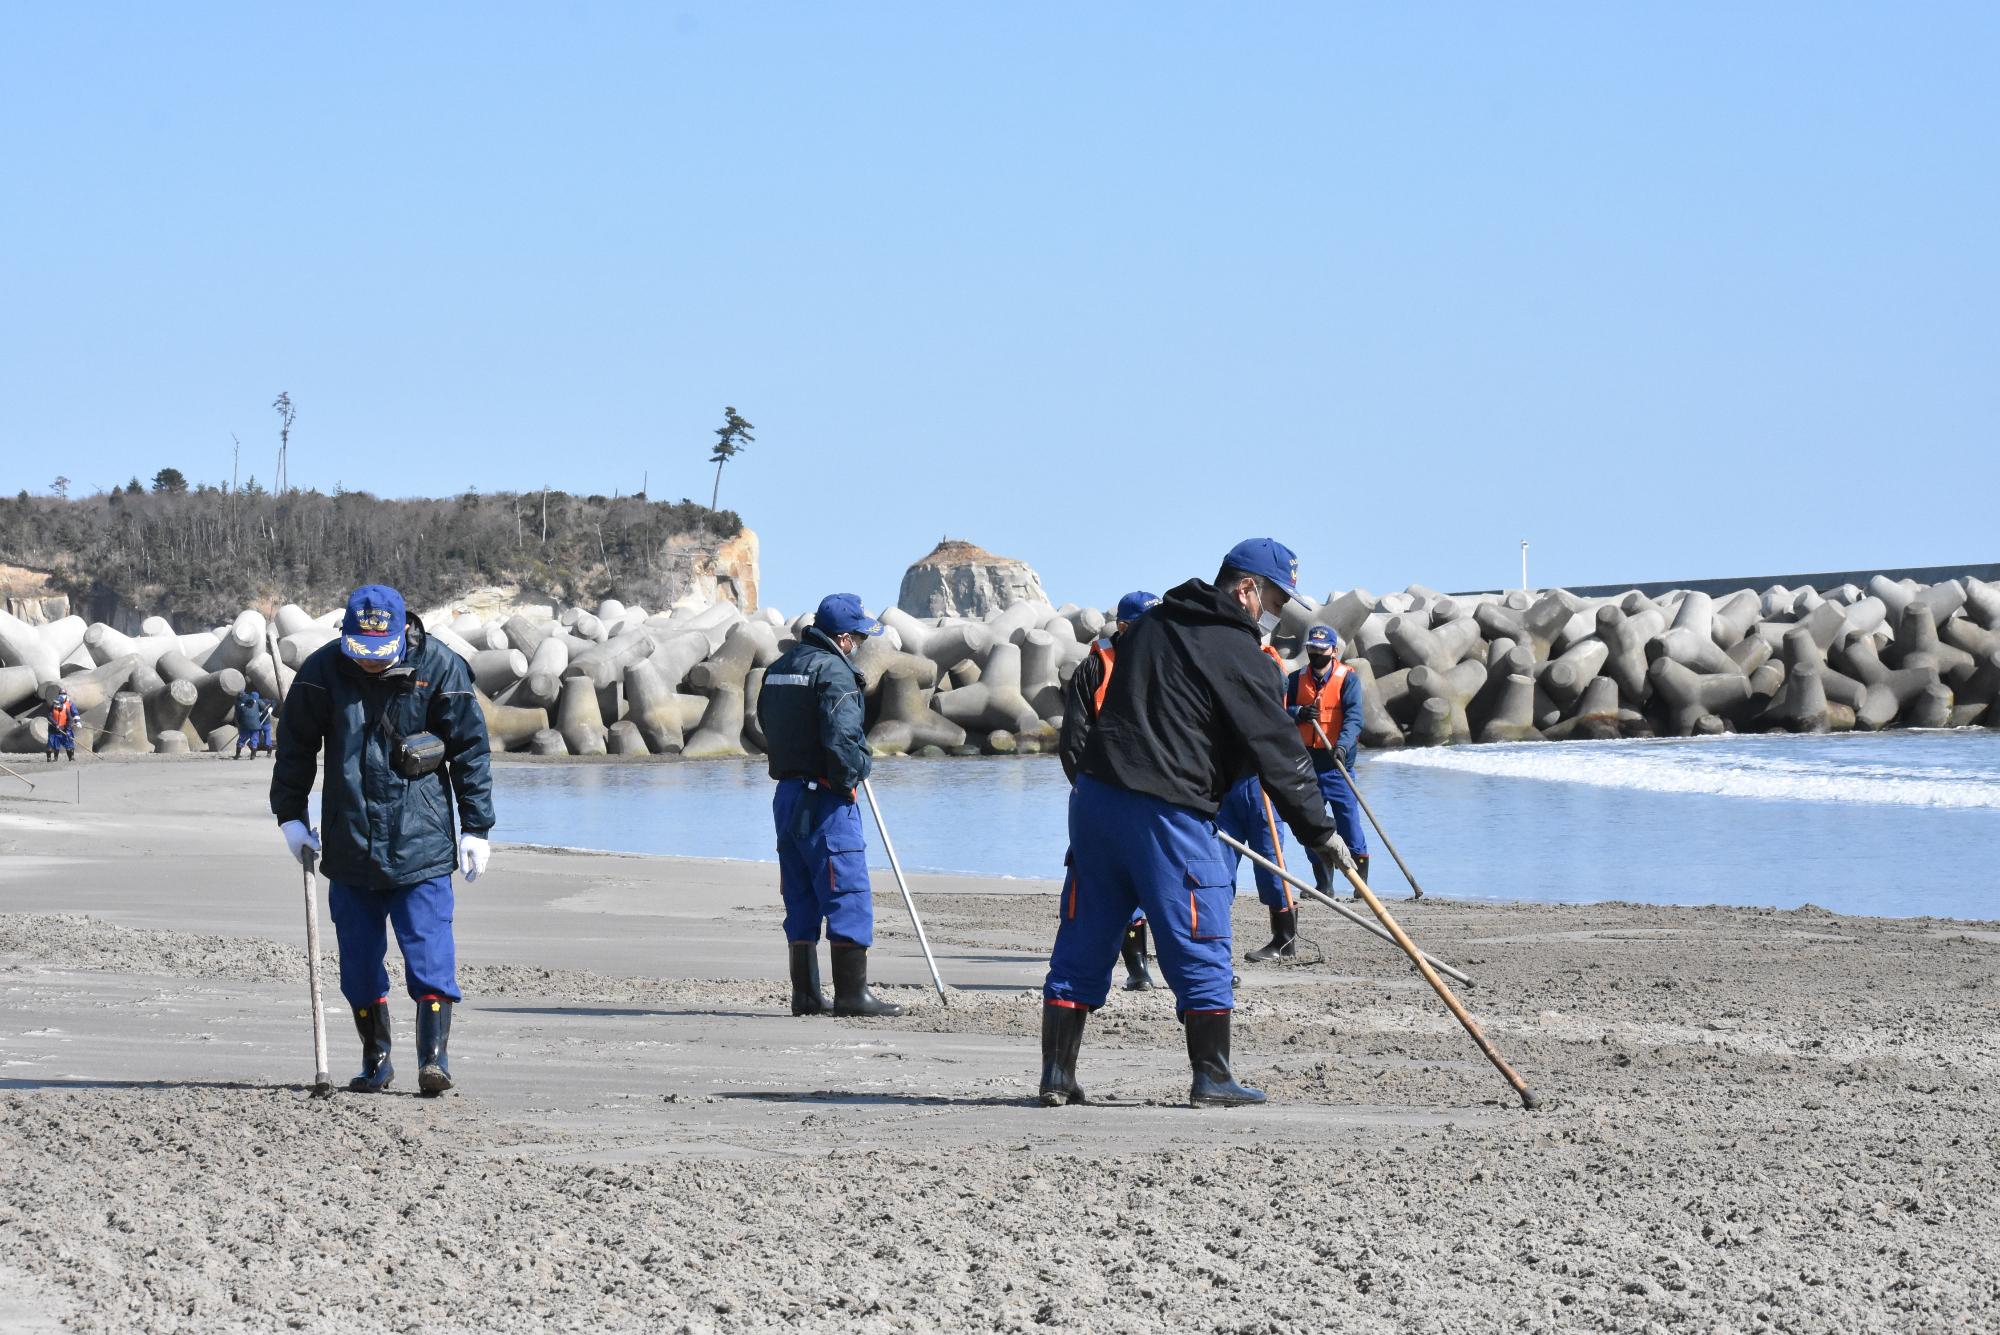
pixel 1062 1035
pixel 433 1034
pixel 1284 942
pixel 807 999
pixel 850 985
pixel 1138 978
pixel 1322 874
pixel 1361 870
pixel 372 1023
pixel 1208 1054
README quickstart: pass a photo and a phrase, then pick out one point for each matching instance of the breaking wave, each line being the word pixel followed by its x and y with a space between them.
pixel 1939 771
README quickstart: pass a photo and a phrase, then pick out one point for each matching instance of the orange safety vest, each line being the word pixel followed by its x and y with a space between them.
pixel 1106 654
pixel 1327 698
pixel 63 715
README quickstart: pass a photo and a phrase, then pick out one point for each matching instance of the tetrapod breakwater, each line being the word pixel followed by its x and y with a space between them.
pixel 1437 669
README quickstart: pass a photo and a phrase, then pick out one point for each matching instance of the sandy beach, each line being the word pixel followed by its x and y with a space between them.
pixel 1755 1121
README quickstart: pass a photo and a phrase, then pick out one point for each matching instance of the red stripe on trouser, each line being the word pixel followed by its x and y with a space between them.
pixel 1067 1005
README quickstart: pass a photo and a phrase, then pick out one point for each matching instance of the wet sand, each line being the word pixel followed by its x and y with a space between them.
pixel 1755 1120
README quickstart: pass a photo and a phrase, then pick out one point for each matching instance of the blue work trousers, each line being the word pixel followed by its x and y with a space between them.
pixel 421 915
pixel 258 739
pixel 1346 812
pixel 1246 815
pixel 61 741
pixel 1129 850
pixel 822 863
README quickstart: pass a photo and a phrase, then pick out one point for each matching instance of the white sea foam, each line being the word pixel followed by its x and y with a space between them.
pixel 1882 771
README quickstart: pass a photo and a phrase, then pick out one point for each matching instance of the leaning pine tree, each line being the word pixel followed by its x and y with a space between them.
pixel 730 438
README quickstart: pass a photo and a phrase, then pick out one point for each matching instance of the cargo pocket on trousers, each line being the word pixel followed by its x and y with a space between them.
pixel 846 859
pixel 1210 885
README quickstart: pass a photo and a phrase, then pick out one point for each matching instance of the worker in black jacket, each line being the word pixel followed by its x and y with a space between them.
pixel 1192 708
pixel 1083 696
pixel 811 711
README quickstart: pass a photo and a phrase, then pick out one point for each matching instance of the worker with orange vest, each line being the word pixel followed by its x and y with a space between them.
pixel 1083 696
pixel 1325 697
pixel 62 724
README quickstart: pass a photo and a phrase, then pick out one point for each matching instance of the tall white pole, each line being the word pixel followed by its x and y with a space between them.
pixel 1524 565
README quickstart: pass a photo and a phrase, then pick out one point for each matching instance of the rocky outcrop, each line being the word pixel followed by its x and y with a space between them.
pixel 959 579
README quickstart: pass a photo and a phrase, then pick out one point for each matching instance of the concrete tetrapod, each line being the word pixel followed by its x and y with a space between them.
pixel 167 710
pixel 1513 714
pixel 1417 645
pixel 651 706
pixel 494 671
pixel 24 736
pixel 994 702
pixel 1452 691
pixel 124 730
pixel 18 686
pixel 1546 620
pixel 1040 685
pixel 1693 649
pixel 1692 698
pixel 1917 645
pixel 904 720
pixel 1377 728
pixel 623 739
pixel 548 742
pixel 1566 677
pixel 1596 717
pixel 1627 635
pixel 578 719
pixel 223 738
pixel 171 743
pixel 722 679
pixel 510 727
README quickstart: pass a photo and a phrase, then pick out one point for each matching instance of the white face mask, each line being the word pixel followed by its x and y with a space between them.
pixel 1268 623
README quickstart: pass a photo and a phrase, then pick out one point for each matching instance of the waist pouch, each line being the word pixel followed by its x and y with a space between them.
pixel 416 755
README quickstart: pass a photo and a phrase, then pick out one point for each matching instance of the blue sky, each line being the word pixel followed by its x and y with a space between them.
pixel 1671 291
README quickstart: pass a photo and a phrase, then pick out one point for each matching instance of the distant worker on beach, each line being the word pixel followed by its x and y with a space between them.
pixel 405 745
pixel 1082 698
pixel 1192 707
pixel 253 723
pixel 811 711
pixel 1325 697
pixel 62 726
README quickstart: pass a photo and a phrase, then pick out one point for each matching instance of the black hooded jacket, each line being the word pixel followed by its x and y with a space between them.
pixel 1194 706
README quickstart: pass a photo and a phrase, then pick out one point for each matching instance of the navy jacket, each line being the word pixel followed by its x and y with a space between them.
pixel 1194 706
pixel 813 715
pixel 377 829
pixel 1350 718
pixel 252 712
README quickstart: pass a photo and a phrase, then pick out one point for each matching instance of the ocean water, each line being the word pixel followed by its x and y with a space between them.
pixel 1897 824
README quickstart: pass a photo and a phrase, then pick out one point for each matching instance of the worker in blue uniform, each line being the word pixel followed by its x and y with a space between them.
pixel 253 723
pixel 1083 696
pixel 811 711
pixel 406 747
pixel 1192 707
pixel 1324 697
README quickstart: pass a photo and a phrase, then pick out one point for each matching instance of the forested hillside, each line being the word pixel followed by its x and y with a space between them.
pixel 199 555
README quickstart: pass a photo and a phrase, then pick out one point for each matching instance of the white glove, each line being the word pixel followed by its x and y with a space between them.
pixel 473 854
pixel 1334 849
pixel 298 839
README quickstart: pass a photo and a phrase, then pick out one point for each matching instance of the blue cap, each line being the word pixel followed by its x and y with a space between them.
pixel 1273 561
pixel 1323 637
pixel 372 630
pixel 1136 604
pixel 843 614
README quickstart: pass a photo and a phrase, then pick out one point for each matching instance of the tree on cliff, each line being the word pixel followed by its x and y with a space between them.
pixel 731 438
